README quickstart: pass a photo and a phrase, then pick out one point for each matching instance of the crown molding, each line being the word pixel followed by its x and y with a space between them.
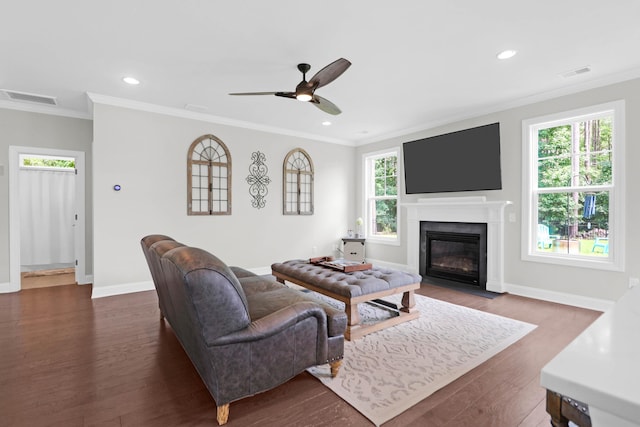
pixel 194 115
pixel 44 109
pixel 528 100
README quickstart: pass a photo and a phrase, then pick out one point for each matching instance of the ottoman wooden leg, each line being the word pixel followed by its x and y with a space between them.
pixel 353 316
pixel 354 330
pixel 408 302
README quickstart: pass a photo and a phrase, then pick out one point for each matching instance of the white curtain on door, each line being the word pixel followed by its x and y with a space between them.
pixel 46 216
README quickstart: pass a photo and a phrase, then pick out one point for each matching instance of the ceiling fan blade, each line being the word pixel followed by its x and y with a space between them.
pixel 325 105
pixel 254 93
pixel 286 94
pixel 329 73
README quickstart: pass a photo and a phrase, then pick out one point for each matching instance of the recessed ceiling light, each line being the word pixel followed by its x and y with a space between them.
pixel 131 80
pixel 326 123
pixel 506 54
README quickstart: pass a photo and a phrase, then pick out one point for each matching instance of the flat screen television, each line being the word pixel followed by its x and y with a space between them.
pixel 467 160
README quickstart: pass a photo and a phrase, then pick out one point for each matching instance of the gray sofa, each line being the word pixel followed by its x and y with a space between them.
pixel 244 333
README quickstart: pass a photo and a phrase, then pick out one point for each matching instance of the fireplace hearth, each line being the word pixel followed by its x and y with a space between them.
pixel 454 251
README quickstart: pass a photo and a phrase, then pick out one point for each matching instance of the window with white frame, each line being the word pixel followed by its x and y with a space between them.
pixel 573 187
pixel 381 196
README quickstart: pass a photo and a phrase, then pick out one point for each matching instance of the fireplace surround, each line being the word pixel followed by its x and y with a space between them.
pixel 461 209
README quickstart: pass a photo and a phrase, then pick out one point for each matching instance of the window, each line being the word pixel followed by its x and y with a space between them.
pixel 573 188
pixel 381 196
pixel 46 162
pixel 297 183
pixel 208 177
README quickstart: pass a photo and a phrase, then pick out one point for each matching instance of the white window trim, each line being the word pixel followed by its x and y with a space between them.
pixel 615 261
pixel 394 241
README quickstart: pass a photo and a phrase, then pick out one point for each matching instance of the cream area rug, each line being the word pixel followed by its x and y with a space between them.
pixel 385 373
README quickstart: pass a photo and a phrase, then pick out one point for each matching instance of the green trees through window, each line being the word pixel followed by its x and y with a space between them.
pixel 574 180
pixel 386 184
pixel 382 195
pixel 47 162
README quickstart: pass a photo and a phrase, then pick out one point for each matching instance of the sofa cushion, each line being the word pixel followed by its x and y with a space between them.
pixel 274 298
pixel 258 284
pixel 242 272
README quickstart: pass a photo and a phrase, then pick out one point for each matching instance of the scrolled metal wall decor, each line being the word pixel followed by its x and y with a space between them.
pixel 258 180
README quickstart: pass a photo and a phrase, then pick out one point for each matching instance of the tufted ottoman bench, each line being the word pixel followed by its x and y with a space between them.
pixel 353 288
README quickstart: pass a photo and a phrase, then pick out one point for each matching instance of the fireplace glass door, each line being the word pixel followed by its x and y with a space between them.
pixel 454 256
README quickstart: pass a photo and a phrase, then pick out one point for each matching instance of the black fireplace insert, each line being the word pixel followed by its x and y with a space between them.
pixel 454 251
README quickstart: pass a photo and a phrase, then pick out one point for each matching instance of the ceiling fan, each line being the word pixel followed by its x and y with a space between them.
pixel 305 90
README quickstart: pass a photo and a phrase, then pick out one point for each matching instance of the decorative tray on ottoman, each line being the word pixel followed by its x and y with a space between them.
pixel 340 264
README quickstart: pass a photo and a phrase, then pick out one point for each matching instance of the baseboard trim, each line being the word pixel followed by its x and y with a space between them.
pixel 86 280
pixel 525 291
pixel 529 292
pixel 126 288
pixel 560 297
pixel 8 287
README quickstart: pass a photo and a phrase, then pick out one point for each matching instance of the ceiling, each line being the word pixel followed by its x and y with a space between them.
pixel 416 63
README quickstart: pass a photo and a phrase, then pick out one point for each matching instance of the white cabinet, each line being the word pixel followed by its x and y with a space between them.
pixel 353 249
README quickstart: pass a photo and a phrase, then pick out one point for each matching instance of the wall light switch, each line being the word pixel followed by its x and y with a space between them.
pixel 1 170
pixel 512 217
pixel 633 282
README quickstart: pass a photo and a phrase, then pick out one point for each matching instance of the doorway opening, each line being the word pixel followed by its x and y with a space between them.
pixel 47 207
pixel 47 235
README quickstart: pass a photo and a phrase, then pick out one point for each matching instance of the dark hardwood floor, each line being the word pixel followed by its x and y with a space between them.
pixel 67 360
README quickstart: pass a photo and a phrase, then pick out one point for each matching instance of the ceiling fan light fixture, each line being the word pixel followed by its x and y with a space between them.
pixel 304 97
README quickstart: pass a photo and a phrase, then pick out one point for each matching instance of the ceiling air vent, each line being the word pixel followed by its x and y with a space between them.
pixel 29 97
pixel 195 107
pixel 576 72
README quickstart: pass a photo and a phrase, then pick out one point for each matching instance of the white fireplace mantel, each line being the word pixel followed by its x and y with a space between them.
pixel 461 209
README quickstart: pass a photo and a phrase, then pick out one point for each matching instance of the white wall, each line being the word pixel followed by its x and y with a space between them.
pixel 546 278
pixel 146 154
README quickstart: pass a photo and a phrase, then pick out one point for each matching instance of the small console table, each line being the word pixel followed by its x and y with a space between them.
pixel 353 249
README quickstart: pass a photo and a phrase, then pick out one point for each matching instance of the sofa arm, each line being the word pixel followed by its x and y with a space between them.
pixel 275 323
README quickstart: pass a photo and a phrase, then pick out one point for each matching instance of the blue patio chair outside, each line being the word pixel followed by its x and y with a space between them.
pixel 602 243
pixel 544 241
